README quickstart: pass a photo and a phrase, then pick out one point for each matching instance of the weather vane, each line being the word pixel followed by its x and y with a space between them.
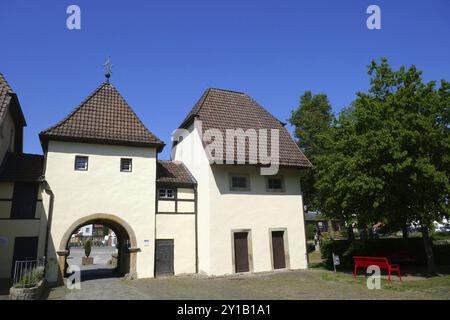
pixel 107 66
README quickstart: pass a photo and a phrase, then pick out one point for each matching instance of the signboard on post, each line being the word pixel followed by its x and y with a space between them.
pixel 336 261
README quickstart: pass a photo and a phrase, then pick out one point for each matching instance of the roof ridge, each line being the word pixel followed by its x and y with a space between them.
pixel 77 108
pixel 200 102
pixel 227 90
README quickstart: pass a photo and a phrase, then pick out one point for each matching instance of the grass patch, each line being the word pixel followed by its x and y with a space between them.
pixel 315 260
pixel 435 285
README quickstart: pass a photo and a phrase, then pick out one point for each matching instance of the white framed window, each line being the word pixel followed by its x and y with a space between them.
pixel 81 163
pixel 126 165
pixel 239 182
pixel 166 194
pixel 275 184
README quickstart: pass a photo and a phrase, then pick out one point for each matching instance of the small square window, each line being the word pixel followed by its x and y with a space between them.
pixel 239 182
pixel 125 165
pixel 166 193
pixel 81 163
pixel 275 184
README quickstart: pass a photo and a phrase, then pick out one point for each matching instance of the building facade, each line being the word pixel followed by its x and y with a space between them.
pixel 184 215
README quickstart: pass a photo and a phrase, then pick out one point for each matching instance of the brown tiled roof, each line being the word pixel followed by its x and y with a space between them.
pixel 173 173
pixel 6 96
pixel 22 167
pixel 106 118
pixel 224 109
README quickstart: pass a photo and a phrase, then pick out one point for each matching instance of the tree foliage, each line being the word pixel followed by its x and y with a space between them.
pixel 387 157
pixel 311 119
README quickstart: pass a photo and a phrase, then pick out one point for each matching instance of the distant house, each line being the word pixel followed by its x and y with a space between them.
pixel 332 227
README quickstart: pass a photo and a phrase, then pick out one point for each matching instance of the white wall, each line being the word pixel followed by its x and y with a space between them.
pixel 259 211
pixel 221 211
pixel 190 152
pixel 180 228
pixel 103 189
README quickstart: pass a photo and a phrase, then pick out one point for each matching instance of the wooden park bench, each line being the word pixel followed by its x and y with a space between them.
pixel 381 262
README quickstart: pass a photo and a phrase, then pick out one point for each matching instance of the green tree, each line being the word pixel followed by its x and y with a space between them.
pixel 388 156
pixel 87 248
pixel 311 120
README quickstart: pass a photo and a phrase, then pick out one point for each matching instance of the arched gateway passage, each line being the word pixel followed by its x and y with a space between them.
pixel 126 241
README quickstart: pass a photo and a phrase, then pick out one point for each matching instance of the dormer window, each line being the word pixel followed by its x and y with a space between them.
pixel 125 165
pixel 81 163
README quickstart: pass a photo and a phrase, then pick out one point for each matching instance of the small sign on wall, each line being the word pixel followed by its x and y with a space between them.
pixel 3 241
pixel 146 243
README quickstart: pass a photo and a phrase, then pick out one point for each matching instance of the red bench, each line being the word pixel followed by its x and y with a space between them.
pixel 381 262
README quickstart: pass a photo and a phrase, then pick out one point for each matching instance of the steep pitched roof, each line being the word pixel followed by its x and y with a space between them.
pixel 7 96
pixel 173 173
pixel 22 167
pixel 224 109
pixel 106 118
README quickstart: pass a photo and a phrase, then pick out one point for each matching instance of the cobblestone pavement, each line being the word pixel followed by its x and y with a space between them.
pixel 301 284
pixel 101 255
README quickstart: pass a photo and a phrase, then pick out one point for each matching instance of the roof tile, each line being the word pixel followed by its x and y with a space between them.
pixel 174 173
pixel 224 109
pixel 104 117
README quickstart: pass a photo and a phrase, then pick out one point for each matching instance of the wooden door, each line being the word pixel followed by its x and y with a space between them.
pixel 241 252
pixel 164 262
pixel 279 259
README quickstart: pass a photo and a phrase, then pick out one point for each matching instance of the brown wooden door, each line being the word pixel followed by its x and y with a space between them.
pixel 241 252
pixel 279 260
pixel 164 253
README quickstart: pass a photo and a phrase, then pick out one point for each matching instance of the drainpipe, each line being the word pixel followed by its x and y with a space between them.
pixel 196 228
pixel 49 220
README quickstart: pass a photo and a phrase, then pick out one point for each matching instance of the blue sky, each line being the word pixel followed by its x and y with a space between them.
pixel 166 53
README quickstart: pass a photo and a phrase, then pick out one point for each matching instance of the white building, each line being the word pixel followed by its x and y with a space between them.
pixel 86 231
pixel 184 215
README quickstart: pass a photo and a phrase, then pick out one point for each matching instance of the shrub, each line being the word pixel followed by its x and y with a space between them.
pixel 346 249
pixel 310 231
pixel 31 278
pixel 87 248
pixel 442 254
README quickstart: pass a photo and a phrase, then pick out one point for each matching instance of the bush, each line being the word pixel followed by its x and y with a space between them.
pixel 346 249
pixel 442 254
pixel 31 278
pixel 310 231
pixel 87 248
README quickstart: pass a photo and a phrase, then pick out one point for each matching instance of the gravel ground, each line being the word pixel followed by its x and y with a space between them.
pixel 300 284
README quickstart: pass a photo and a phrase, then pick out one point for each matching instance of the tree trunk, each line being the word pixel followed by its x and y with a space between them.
pixel 405 231
pixel 350 233
pixel 428 250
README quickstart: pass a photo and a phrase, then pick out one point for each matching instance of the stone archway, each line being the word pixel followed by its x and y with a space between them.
pixel 119 226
